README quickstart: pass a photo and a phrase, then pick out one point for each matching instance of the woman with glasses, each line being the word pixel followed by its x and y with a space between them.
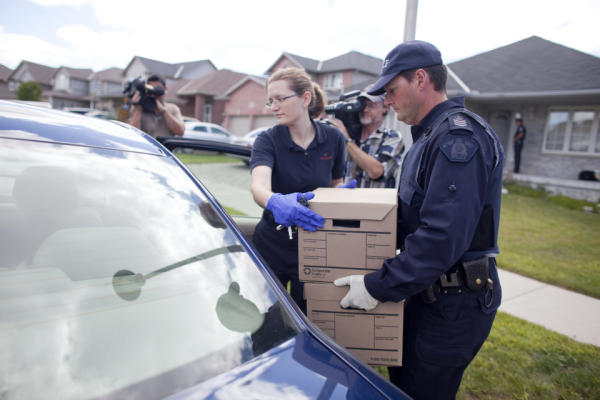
pixel 288 161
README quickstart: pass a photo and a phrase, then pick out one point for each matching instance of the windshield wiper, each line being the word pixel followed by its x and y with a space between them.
pixel 128 285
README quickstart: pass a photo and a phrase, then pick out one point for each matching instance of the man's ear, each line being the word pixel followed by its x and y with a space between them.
pixel 421 77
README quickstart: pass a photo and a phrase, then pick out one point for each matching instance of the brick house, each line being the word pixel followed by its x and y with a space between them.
pixel 246 109
pixel 557 91
pixel 206 97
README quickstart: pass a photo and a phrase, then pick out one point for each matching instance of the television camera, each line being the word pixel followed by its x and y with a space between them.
pixel 148 93
pixel 348 111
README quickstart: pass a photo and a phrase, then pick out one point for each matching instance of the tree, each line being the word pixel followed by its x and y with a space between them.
pixel 29 91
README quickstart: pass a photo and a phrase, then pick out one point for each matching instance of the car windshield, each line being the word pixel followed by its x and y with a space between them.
pixel 115 270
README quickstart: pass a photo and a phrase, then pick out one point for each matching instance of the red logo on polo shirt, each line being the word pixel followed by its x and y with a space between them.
pixel 326 156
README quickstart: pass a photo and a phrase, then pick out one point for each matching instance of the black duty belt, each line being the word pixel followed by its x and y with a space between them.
pixel 464 277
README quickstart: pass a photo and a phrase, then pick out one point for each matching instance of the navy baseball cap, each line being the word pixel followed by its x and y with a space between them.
pixel 406 56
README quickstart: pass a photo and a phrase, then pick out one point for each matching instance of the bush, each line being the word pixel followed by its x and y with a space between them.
pixel 29 91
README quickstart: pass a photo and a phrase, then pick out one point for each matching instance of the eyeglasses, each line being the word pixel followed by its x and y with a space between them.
pixel 274 102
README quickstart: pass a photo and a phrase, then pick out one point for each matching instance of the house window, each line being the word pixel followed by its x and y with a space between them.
pixel 333 81
pixel 208 112
pixel 96 87
pixel 62 82
pixel 573 131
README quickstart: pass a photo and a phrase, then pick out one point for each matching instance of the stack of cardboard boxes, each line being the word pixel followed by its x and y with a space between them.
pixel 359 233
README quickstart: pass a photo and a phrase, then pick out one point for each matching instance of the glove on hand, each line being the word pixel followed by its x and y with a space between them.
pixel 357 296
pixel 287 211
pixel 349 185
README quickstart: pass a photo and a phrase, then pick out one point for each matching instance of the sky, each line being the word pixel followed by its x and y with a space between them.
pixel 249 36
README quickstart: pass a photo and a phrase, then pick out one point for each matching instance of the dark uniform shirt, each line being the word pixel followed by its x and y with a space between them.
pixel 294 169
pixel 451 178
pixel 520 130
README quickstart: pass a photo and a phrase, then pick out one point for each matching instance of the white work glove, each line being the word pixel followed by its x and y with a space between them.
pixel 357 296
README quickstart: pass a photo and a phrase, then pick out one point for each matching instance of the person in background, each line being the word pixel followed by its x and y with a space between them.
pixel 376 159
pixel 163 119
pixel 448 217
pixel 518 140
pixel 288 161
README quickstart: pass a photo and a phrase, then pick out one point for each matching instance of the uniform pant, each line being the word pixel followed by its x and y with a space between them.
pixel 440 340
pixel 281 254
pixel 518 147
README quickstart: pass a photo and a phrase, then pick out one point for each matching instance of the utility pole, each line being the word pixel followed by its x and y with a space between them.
pixel 410 27
pixel 410 20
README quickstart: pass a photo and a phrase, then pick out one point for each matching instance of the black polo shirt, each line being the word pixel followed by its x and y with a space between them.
pixel 295 169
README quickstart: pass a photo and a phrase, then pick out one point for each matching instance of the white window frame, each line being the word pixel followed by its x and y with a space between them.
pixel 334 80
pixel 594 139
pixel 62 82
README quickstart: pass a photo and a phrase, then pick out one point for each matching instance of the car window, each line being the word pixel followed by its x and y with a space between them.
pixel 227 177
pixel 200 128
pixel 116 269
pixel 220 131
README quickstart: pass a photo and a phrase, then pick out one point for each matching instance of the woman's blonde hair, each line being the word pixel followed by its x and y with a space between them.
pixel 300 82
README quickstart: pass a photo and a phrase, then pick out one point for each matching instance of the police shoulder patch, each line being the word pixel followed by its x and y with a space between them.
pixel 459 148
pixel 459 122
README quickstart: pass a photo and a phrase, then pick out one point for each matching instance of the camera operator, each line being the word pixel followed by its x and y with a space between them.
pixel 157 117
pixel 376 160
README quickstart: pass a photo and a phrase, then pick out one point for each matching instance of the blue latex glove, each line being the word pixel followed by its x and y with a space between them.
pixel 349 185
pixel 287 211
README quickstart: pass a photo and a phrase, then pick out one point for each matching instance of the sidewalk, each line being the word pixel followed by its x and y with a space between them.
pixel 572 314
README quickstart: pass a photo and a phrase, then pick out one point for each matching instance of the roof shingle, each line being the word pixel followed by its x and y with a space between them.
pixel 530 65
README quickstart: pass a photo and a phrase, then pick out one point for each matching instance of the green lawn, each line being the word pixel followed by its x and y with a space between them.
pixel 198 158
pixel 521 360
pixel 544 239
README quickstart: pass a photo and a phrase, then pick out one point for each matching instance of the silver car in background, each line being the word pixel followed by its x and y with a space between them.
pixel 207 131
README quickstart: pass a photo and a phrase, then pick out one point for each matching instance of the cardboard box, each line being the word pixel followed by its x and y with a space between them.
pixel 375 336
pixel 359 233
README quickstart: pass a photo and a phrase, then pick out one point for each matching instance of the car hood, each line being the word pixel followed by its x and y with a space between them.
pixel 19 121
pixel 299 368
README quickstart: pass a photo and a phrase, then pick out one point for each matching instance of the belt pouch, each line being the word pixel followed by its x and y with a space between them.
pixel 476 273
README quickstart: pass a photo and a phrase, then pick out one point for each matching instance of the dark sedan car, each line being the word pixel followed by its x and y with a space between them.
pixel 122 277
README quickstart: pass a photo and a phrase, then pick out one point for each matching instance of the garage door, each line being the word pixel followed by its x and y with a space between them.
pixel 239 125
pixel 264 121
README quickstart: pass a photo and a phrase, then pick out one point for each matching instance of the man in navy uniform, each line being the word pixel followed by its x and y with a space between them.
pixel 448 215
pixel 518 141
